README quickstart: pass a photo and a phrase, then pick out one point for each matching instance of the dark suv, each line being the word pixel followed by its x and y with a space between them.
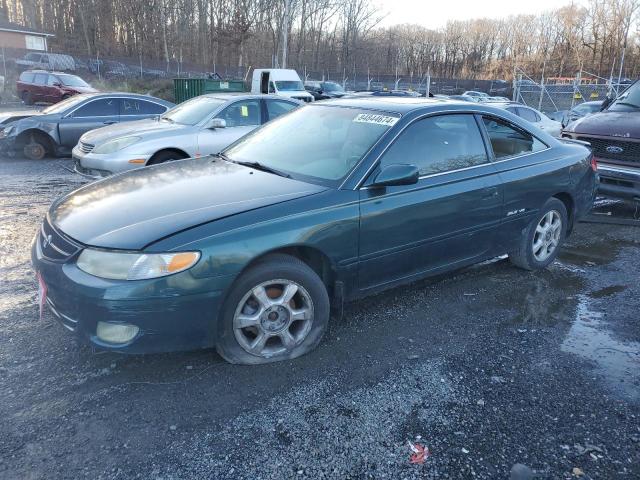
pixel 614 135
pixel 50 87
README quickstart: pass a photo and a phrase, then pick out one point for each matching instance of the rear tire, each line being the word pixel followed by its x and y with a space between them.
pixel 26 98
pixel 277 310
pixel 542 239
pixel 166 156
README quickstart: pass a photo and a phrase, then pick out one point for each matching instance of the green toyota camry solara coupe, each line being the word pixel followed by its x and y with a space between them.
pixel 251 250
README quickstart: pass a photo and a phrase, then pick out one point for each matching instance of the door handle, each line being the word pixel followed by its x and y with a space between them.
pixel 109 122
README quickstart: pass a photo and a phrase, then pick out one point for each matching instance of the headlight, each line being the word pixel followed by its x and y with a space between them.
pixel 134 266
pixel 6 131
pixel 115 145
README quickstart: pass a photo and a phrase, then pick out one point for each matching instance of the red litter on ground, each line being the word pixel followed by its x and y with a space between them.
pixel 420 453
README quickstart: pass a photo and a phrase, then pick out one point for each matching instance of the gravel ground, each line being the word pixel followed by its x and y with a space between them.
pixel 488 367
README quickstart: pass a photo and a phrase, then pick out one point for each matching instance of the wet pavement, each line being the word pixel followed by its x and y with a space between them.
pixel 488 367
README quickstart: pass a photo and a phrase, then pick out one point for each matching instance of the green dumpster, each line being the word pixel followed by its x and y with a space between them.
pixel 186 88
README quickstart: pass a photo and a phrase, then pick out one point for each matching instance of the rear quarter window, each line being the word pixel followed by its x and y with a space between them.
pixel 26 77
pixel 508 140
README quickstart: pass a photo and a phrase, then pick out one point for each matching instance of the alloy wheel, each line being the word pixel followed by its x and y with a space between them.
pixel 547 235
pixel 273 318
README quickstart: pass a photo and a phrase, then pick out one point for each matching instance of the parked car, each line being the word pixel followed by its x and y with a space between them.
pixel 279 81
pixel 477 95
pixel 465 98
pixel 50 87
pixel 579 111
pixel 384 93
pixel 57 129
pixel 533 116
pixel 324 90
pixel 198 127
pixel 614 136
pixel 249 250
pixel 47 61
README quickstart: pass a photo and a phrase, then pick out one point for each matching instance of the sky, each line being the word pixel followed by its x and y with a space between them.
pixel 435 13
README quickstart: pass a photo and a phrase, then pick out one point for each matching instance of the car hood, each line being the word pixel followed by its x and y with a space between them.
pixel 6 117
pixel 608 124
pixel 138 128
pixel 132 210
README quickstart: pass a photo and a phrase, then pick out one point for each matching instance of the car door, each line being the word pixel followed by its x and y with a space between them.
pixel 447 219
pixel 52 91
pixel 241 117
pixel 520 159
pixel 90 115
pixel 139 109
pixel 39 87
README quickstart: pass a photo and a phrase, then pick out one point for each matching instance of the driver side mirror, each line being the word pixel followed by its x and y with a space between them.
pixel 396 174
pixel 217 123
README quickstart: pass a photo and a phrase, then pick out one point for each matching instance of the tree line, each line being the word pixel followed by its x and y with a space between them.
pixel 340 37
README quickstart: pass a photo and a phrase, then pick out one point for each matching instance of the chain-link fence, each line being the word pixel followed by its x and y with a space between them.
pixel 561 94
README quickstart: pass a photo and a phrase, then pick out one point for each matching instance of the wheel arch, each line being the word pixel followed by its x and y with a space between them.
pixel 48 141
pixel 164 150
pixel 569 204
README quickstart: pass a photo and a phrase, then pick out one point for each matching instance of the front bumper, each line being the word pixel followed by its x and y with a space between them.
pixel 173 313
pixel 94 165
pixel 620 182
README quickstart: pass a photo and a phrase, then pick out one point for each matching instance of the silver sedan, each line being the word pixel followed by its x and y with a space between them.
pixel 201 126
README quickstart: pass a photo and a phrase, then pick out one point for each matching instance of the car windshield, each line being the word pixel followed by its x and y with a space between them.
pixel 289 85
pixel 332 87
pixel 328 142
pixel 66 104
pixel 193 111
pixel 72 81
pixel 628 100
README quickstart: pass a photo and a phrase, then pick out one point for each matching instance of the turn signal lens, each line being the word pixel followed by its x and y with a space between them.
pixel 594 164
pixel 138 160
pixel 182 261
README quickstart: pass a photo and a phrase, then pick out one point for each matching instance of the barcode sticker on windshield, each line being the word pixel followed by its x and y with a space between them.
pixel 375 118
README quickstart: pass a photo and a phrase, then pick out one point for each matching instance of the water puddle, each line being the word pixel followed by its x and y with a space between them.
pixel 590 338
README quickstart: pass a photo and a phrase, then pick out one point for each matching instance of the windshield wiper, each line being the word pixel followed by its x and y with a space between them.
pixel 256 165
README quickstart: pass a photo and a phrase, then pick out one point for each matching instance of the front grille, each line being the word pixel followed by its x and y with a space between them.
pixel 620 151
pixel 86 147
pixel 53 245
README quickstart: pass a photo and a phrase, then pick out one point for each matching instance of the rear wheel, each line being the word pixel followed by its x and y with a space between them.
pixel 165 156
pixel 277 310
pixel 541 241
pixel 26 98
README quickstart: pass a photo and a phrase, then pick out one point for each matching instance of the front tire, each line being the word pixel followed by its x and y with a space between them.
pixel 26 98
pixel 165 156
pixel 277 310
pixel 542 239
pixel 35 149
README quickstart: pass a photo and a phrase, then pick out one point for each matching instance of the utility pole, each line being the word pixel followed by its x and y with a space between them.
pixel 285 32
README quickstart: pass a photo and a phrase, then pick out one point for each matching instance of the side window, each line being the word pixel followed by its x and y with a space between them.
pixel 529 115
pixel 272 87
pixel 44 59
pixel 52 80
pixel 241 114
pixel 439 144
pixel 40 79
pixel 26 77
pixel 507 140
pixel 104 107
pixel 133 106
pixel 275 108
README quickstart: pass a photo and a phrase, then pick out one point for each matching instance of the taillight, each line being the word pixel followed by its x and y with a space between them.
pixel 594 164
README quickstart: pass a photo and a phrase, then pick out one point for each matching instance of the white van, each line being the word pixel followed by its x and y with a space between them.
pixel 279 81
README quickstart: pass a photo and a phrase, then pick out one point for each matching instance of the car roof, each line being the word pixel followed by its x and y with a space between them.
pixel 246 96
pixel 123 95
pixel 392 104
